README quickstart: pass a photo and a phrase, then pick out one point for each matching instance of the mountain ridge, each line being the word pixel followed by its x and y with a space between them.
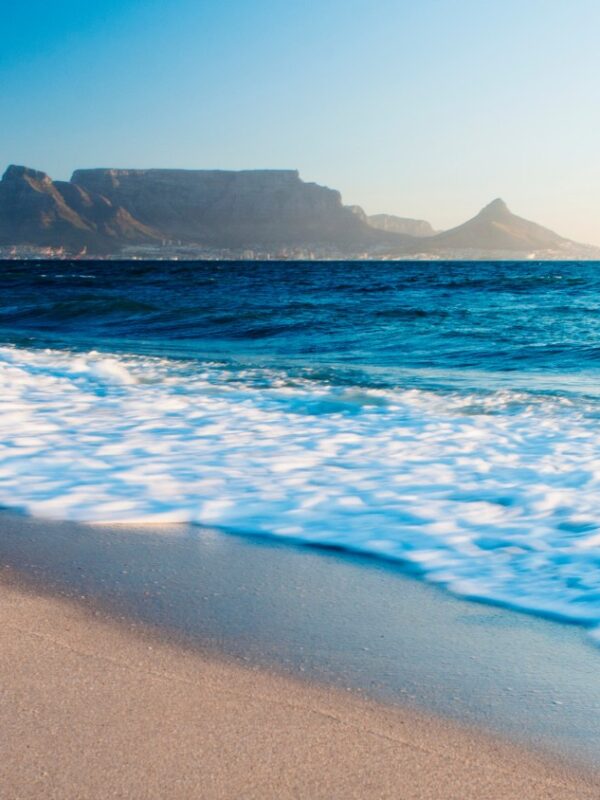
pixel 497 227
pixel 405 225
pixel 245 213
pixel 226 208
pixel 36 210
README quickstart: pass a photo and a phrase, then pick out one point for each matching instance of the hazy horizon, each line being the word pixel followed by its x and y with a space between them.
pixel 428 111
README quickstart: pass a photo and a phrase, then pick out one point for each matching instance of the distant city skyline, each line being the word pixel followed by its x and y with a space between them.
pixel 426 110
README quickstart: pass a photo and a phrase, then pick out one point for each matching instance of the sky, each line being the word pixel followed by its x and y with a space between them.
pixel 427 109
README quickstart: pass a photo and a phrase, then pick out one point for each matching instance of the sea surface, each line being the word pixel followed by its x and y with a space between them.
pixel 443 415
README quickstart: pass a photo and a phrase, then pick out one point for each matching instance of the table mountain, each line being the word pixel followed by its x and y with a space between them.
pixel 267 211
pixel 219 208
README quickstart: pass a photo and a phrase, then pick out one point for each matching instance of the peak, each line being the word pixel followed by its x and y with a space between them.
pixel 496 208
pixel 16 173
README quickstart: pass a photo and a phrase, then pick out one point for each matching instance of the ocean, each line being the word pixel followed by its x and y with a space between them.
pixel 445 416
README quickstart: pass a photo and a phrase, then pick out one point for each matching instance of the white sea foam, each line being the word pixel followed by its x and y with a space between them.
pixel 496 497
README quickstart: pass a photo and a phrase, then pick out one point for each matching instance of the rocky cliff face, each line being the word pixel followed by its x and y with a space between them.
pixel 402 225
pixel 229 209
pixel 38 211
pixel 33 211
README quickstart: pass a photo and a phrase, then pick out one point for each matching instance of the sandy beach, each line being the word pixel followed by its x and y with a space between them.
pixel 126 674
pixel 92 709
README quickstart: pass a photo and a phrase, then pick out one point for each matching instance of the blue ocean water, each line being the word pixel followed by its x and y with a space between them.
pixel 441 414
pixel 368 319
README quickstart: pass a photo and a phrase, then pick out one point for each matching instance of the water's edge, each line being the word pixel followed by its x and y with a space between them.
pixel 331 617
pixel 493 495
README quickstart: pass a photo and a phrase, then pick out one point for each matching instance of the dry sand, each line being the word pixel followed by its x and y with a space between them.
pixel 94 708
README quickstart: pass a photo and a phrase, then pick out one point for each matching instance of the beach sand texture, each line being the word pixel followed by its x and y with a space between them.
pixel 94 708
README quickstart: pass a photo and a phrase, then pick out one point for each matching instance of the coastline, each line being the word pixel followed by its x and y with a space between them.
pixel 92 710
pixel 316 625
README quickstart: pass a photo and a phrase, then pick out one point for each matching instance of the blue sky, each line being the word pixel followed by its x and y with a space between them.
pixel 428 109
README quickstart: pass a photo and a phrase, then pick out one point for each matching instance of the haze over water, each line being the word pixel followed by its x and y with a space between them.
pixel 442 415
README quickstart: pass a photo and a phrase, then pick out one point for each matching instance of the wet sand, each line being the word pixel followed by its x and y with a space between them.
pixel 91 710
pixel 142 664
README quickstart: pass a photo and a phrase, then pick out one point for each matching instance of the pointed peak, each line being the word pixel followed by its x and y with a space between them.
pixel 15 172
pixel 497 208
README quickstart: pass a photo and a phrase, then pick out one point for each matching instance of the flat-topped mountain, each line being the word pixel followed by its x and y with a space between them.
pixel 168 213
pixel 230 209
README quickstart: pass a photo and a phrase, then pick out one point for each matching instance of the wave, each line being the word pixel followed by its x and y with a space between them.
pixel 82 307
pixel 482 316
pixel 494 495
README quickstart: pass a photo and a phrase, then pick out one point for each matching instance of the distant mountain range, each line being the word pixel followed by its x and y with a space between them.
pixel 253 213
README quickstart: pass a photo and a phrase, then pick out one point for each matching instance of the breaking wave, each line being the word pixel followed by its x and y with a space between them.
pixel 493 494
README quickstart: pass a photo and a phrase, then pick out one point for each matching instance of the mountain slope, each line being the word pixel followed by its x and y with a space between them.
pixel 497 228
pixel 223 208
pixel 32 211
pixel 216 212
pixel 35 210
pixel 403 225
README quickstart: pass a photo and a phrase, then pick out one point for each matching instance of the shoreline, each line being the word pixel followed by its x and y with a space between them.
pixel 326 617
pixel 94 707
